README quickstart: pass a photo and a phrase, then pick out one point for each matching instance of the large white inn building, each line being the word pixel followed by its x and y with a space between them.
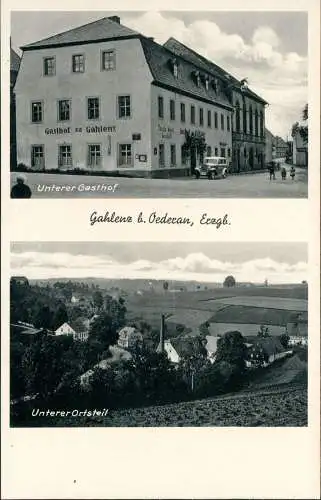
pixel 103 97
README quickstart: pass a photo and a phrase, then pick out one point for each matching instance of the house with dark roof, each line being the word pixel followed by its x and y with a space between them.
pixel 102 97
pixel 248 124
pixel 263 351
pixel 180 348
pixel 79 329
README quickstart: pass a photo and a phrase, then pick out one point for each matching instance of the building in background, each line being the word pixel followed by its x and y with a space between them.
pixel 269 152
pixel 300 146
pixel 280 147
pixel 248 124
pixel 14 68
pixel 102 97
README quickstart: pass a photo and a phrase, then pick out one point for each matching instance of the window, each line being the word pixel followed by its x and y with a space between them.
pixel 183 155
pixel 173 155
pixel 124 106
pixel 206 83
pixel 229 152
pixel 175 70
pixel 37 156
pixel 228 123
pixel 201 117
pixel 172 109
pixel 209 118
pixel 94 155
pixel 256 122
pixel 78 63
pixel 237 117
pixel 222 122
pixel 64 109
pixel 223 152
pixel 49 66
pixel 192 114
pixel 261 124
pixel 160 107
pixel 244 119
pixel 93 108
pixel 182 112
pixel 251 119
pixel 161 157
pixel 125 155
pixel 36 112
pixel 216 151
pixel 208 151
pixel 108 60
pixel 215 120
pixel 65 156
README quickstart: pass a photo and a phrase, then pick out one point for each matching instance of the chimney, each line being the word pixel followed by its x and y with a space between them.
pixel 115 19
pixel 162 333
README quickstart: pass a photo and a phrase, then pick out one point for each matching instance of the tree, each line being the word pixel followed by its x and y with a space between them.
pixel 98 299
pixel 165 285
pixel 263 331
pixel 43 317
pixel 194 142
pixel 284 339
pixel 105 328
pixel 231 348
pixel 60 317
pixel 229 281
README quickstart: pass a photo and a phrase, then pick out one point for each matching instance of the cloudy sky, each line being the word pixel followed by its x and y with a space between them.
pixel 269 48
pixel 203 262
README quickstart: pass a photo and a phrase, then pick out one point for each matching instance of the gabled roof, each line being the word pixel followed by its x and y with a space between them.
pixel 103 29
pixel 14 61
pixel 188 346
pixel 185 52
pixel 159 59
pixel 79 325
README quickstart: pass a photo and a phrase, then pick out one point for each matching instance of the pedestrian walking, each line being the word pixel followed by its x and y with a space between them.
pixel 292 172
pixel 272 171
pixel 283 173
pixel 20 189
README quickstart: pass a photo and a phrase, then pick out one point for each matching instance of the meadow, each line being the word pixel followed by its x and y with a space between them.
pixel 237 307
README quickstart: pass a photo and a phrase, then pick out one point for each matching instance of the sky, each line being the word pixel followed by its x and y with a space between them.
pixel 203 262
pixel 268 48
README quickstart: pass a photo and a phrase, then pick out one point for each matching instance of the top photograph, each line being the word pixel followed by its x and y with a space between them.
pixel 159 104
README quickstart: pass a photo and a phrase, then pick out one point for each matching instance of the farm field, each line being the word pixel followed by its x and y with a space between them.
pixel 246 329
pixel 266 302
pixel 239 308
pixel 256 315
pixel 268 407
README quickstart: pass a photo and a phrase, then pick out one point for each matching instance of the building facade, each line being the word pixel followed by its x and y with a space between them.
pixel 300 148
pixel 269 147
pixel 103 97
pixel 248 121
pixel 14 69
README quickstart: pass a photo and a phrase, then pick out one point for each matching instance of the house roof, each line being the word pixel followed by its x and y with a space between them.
pixel 128 330
pixel 270 345
pixel 14 61
pixel 187 346
pixel 79 325
pixel 187 53
pixel 103 29
pixel 159 59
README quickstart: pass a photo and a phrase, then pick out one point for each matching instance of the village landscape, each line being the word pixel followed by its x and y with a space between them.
pixel 158 353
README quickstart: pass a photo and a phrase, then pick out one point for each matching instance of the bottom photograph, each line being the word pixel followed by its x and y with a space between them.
pixel 158 334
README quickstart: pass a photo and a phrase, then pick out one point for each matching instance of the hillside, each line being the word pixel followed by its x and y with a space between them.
pixel 270 407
